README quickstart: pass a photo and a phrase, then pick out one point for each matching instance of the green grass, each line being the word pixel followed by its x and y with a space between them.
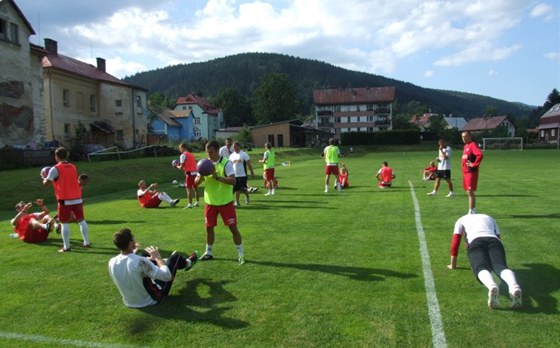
pixel 337 269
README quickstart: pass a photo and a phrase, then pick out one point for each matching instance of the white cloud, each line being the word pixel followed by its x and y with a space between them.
pixel 492 72
pixel 428 73
pixel 541 10
pixel 554 56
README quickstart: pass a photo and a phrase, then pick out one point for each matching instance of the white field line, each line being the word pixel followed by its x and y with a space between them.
pixel 58 341
pixel 438 335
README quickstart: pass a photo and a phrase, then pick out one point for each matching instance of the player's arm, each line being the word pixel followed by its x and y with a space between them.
pixel 45 211
pixel 454 250
pixel 479 155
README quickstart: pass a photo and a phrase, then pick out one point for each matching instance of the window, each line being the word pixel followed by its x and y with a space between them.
pixel 3 29
pixel 118 103
pixel 280 138
pixel 67 130
pixel 138 101
pixel 197 132
pixel 553 132
pixel 271 139
pixel 197 120
pixel 120 135
pixel 66 98
pixel 14 33
pixel 92 103
pixel 542 133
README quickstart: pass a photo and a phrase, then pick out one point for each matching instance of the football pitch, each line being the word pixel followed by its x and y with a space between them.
pixel 359 268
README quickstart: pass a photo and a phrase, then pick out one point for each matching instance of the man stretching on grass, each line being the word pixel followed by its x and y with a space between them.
pixel 486 254
pixel 144 280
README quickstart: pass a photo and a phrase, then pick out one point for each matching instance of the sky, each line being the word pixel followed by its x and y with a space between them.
pixel 506 49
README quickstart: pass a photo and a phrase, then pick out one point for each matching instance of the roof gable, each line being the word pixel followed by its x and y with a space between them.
pixel 354 95
pixel 201 102
pixel 553 111
pixel 482 123
pixel 23 18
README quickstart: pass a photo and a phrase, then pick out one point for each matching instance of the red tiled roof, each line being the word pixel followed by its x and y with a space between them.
pixel 203 103
pixel 74 66
pixel 477 124
pixel 552 115
pixel 353 95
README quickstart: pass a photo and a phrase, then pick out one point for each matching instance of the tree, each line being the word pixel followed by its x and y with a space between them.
pixel 437 125
pixel 402 121
pixel 275 99
pixel 236 107
pixel 491 111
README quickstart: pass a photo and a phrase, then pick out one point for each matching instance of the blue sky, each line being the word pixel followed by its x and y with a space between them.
pixel 506 49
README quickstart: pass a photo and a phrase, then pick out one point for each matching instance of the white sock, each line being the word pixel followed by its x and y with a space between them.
pixel 239 250
pixel 65 232
pixel 208 249
pixel 486 278
pixel 165 197
pixel 326 187
pixel 85 231
pixel 508 277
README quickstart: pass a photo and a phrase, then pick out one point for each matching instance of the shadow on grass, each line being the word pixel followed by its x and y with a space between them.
pixel 108 222
pixel 537 216
pixel 356 273
pixel 189 306
pixel 75 245
pixel 538 282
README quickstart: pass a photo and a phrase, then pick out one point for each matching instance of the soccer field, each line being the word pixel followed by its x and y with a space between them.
pixel 358 268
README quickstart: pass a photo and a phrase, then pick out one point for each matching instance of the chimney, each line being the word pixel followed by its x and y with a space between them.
pixel 101 64
pixel 51 46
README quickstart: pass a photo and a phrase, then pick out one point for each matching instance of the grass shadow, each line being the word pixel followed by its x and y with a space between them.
pixel 539 281
pixel 355 273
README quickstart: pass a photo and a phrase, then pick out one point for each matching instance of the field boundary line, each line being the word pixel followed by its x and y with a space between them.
pixel 59 341
pixel 438 334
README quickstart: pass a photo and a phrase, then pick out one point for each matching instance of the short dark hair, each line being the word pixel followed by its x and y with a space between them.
pixel 385 163
pixel 213 144
pixel 61 152
pixel 122 238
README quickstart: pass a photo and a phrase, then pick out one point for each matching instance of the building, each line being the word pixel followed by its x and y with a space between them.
pixel 354 109
pixel 483 124
pixel 85 104
pixel 207 118
pixel 549 125
pixel 455 122
pixel 174 125
pixel 21 99
pixel 290 133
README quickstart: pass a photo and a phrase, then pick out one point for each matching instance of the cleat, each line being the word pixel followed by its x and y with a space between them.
pixel 62 250
pixel 175 202
pixel 87 245
pixel 188 206
pixel 450 194
pixel 516 299
pixel 193 260
pixel 493 298
pixel 236 204
pixel 247 200
pixel 268 193
pixel 433 193
pixel 242 260
pixel 196 204
pixel 206 257
pixel 57 228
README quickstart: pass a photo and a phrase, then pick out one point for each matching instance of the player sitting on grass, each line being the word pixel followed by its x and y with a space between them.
pixel 430 172
pixel 144 280
pixel 385 176
pixel 486 254
pixel 32 227
pixel 149 197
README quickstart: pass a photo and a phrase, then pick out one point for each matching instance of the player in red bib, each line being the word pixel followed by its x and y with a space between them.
pixel 430 172
pixel 470 162
pixel 385 176
pixel 187 163
pixel 343 176
pixel 149 197
pixel 32 227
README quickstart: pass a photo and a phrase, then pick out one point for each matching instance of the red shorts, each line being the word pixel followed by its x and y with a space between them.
pixel 470 181
pixel 154 202
pixel 34 236
pixel 227 212
pixel 189 181
pixel 65 211
pixel 331 170
pixel 269 174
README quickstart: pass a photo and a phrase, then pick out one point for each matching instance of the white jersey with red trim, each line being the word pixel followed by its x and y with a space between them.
pixel 473 226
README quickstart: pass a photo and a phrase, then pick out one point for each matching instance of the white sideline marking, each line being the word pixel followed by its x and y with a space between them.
pixel 438 335
pixel 57 341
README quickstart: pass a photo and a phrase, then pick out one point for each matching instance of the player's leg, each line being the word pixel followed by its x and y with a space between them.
pixel 64 217
pixel 481 266
pixel 78 211
pixel 499 264
pixel 211 218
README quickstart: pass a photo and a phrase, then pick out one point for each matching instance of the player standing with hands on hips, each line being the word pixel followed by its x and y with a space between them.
pixel 470 162
pixel 486 254
pixel 218 196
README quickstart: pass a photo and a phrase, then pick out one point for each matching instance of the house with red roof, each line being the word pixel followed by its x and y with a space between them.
pixel 354 109
pixel 85 104
pixel 206 117
pixel 549 125
pixel 21 102
pixel 482 124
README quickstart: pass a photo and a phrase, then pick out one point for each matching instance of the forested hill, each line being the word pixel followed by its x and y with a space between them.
pixel 244 71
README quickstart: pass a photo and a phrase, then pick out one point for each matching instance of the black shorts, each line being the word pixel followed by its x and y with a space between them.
pixel 487 253
pixel 240 184
pixel 444 174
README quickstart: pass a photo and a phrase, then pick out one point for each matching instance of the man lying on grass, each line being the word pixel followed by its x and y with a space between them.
pixel 144 280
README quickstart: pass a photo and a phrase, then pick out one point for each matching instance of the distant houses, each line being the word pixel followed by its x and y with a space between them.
pixel 549 125
pixel 483 124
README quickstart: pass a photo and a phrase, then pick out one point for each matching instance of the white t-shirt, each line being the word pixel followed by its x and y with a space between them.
pixel 444 164
pixel 473 226
pixel 225 152
pixel 238 160
pixel 128 272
